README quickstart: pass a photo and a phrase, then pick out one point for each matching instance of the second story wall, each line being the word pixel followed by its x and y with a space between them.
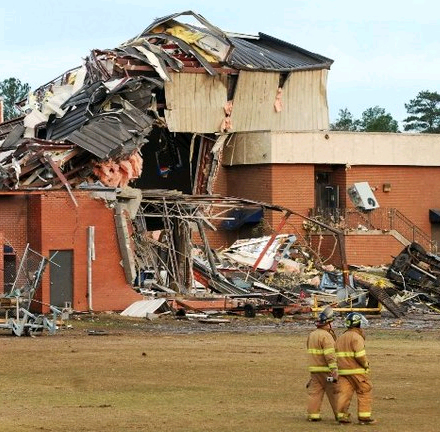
pixel 197 102
pixel 301 104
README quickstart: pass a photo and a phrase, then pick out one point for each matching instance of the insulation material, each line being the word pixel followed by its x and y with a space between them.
pixel 119 174
pixel 59 95
pixel 227 123
pixel 32 120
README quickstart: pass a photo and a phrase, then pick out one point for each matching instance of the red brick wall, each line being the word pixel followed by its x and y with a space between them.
pixel 360 249
pixel 371 250
pixel 414 190
pixel 55 223
pixel 290 186
pixel 65 227
pixel 34 222
pixel 2 279
pixel 13 220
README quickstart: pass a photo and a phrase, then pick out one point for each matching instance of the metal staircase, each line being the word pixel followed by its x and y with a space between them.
pixel 386 220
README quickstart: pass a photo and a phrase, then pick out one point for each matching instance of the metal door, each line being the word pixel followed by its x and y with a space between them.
pixel 61 277
pixel 10 272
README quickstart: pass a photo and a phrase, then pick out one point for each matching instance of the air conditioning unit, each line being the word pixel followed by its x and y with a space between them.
pixel 362 196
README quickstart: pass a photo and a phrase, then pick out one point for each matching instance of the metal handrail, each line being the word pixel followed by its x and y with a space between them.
pixel 383 219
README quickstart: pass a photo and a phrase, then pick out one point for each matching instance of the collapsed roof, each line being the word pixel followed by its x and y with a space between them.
pixel 89 124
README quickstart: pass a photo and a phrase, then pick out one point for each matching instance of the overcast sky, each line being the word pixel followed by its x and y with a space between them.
pixel 385 52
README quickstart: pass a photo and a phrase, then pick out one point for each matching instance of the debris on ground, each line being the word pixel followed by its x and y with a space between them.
pixel 15 306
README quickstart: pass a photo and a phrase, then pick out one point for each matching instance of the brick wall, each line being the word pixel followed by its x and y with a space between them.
pixel 2 278
pixel 51 222
pixel 290 186
pixel 65 227
pixel 414 190
pixel 360 249
pixel 371 250
pixel 13 221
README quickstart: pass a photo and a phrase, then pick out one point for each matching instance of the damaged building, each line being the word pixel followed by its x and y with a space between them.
pixel 118 166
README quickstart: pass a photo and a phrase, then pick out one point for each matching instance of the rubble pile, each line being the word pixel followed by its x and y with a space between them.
pixel 89 124
pixel 89 127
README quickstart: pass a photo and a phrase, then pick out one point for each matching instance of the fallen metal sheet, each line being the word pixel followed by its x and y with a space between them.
pixel 92 93
pixel 8 126
pixel 13 139
pixel 112 134
pixel 141 308
pixel 58 129
pixel 102 137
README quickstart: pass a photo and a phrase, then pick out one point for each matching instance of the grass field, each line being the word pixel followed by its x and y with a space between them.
pixel 138 376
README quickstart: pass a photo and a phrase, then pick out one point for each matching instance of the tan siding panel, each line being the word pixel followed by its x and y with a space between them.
pixel 195 102
pixel 304 102
pixel 254 99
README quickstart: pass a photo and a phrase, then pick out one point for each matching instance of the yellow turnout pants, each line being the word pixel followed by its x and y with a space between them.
pixel 316 387
pixel 361 384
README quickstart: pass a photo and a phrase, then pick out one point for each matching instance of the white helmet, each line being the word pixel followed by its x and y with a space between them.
pixel 355 319
pixel 326 316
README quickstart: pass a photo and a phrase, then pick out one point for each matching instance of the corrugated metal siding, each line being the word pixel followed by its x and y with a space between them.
pixel 102 137
pixel 304 102
pixel 59 128
pixel 195 102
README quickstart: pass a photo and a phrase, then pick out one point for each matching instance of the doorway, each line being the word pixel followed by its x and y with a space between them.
pixel 9 268
pixel 326 194
pixel 61 277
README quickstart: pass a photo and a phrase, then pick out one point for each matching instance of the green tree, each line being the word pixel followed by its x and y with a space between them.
pixel 13 91
pixel 345 121
pixel 375 119
pixel 424 113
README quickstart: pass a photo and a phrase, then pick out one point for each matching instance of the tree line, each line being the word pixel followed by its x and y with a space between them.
pixel 423 116
pixel 423 112
pixel 13 91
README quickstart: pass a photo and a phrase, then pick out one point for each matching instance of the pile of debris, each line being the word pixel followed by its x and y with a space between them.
pixel 87 128
pixel 416 275
pixel 272 274
pixel 277 274
pixel 89 124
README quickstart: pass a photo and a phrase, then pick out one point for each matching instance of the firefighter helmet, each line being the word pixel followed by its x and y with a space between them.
pixel 326 316
pixel 355 319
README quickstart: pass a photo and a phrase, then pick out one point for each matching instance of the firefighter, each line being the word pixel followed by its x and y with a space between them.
pixel 353 370
pixel 322 366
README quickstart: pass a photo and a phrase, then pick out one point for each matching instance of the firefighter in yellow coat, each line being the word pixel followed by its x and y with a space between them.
pixel 353 370
pixel 322 366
